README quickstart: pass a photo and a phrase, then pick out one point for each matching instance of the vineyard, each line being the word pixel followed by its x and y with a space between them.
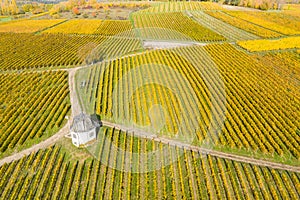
pixel 32 105
pixel 79 26
pixel 196 100
pixel 117 92
pixel 181 6
pixel 230 32
pixel 28 26
pixel 50 174
pixel 274 21
pixel 94 27
pixel 281 62
pixel 113 101
pixel 57 50
pixel 292 10
pixel 261 102
pixel 267 45
pixel 244 25
pixel 115 28
pixel 172 26
pixel 263 24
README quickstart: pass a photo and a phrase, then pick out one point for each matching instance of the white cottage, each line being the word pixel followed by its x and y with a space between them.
pixel 83 130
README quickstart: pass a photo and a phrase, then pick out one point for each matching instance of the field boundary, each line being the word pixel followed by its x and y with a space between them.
pixel 220 154
pixel 35 148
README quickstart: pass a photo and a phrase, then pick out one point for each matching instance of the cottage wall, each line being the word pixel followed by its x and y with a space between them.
pixel 83 138
pixel 87 136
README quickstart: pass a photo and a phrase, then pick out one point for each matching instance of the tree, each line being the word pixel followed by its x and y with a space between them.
pixel 13 7
pixel 76 11
pixel 9 7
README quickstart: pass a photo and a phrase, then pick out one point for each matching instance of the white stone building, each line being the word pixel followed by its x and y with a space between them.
pixel 83 130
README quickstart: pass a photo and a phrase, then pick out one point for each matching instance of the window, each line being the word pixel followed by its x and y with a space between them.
pixel 74 136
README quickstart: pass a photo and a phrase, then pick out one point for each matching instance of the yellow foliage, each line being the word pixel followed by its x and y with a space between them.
pixel 292 10
pixel 183 6
pixel 266 45
pixel 244 25
pixel 174 26
pixel 28 26
pixel 43 106
pixel 115 27
pixel 273 21
pixel 77 26
pixel 93 26
pixel 293 7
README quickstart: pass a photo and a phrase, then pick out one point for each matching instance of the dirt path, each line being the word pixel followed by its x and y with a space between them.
pixel 42 145
pixel 239 8
pixel 61 133
pixel 76 109
pixel 143 134
pixel 153 44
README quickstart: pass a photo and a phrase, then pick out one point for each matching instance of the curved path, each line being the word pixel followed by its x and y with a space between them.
pixel 42 145
pixel 140 133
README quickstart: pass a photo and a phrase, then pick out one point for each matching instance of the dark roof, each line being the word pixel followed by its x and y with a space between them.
pixel 83 123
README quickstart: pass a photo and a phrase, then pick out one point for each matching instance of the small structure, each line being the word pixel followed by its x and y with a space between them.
pixel 83 129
